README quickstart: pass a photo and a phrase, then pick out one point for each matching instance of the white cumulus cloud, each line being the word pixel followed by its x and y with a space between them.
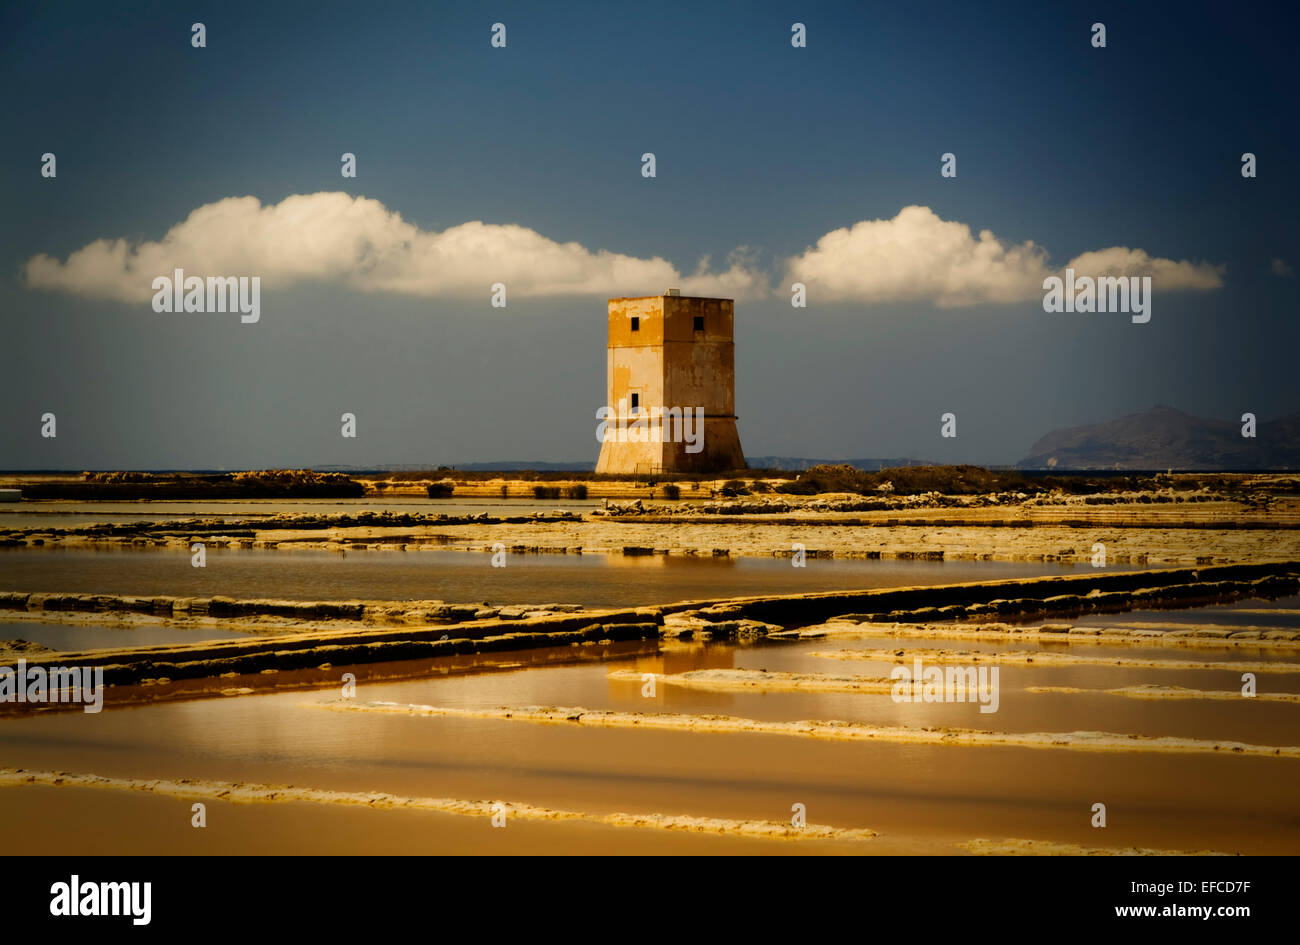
pixel 1165 273
pixel 917 256
pixel 357 241
pixel 360 243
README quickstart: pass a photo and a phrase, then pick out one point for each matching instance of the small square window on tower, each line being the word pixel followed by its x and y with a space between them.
pixel 699 323
pixel 636 323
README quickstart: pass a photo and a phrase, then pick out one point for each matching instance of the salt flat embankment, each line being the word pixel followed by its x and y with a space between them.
pixel 356 642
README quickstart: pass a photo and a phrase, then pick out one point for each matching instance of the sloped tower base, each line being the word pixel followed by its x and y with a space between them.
pixel 721 453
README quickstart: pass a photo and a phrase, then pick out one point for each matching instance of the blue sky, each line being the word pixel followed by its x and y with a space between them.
pixel 758 145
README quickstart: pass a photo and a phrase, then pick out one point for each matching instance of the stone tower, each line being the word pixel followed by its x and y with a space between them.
pixel 671 387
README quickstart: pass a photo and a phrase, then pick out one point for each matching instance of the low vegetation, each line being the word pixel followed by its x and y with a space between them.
pixel 255 484
pixel 956 480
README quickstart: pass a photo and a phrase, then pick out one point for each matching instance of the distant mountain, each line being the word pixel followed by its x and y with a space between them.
pixel 1167 438
pixel 783 463
pixel 505 465
pixel 511 466
pixel 798 463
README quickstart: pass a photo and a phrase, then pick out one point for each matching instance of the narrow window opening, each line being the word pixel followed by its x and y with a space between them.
pixel 636 399
pixel 699 323
pixel 636 322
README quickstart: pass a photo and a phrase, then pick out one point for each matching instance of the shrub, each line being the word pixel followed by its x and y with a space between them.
pixel 913 480
pixel 441 490
pixel 546 492
pixel 829 478
pixel 672 492
pixel 734 487
pixel 576 492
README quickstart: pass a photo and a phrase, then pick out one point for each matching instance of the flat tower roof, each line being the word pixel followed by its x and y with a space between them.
pixel 666 295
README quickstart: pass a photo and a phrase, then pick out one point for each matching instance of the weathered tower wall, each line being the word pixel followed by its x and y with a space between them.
pixel 670 353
